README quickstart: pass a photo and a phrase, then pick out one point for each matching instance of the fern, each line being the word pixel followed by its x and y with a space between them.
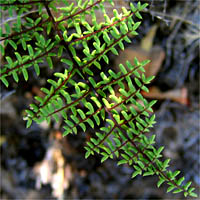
pixel 80 96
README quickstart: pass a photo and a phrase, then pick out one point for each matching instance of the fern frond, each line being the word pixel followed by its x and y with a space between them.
pixel 110 103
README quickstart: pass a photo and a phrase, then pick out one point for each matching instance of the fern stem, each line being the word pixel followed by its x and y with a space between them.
pixel 89 116
pixel 68 105
pixel 102 29
pixel 117 79
pixel 54 92
pixel 104 51
pixel 27 62
pixel 125 99
pixel 135 137
pixel 24 31
pixel 100 87
pixel 79 12
pixel 157 169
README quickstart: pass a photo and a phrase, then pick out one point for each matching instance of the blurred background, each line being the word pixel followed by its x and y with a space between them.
pixel 38 163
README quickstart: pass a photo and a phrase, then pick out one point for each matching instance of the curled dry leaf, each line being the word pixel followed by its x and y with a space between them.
pixel 178 95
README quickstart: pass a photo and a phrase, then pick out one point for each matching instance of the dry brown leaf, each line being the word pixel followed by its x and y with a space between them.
pixel 146 51
pixel 36 90
pixel 178 95
pixel 156 55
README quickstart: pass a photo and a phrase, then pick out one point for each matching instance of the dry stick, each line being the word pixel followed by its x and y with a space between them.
pixel 173 34
pixel 173 17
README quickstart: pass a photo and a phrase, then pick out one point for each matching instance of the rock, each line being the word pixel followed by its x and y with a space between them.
pixel 7 107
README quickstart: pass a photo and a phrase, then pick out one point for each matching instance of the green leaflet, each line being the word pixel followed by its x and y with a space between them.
pixel 49 61
pixel 30 50
pixel 5 82
pixel 13 44
pixel 25 74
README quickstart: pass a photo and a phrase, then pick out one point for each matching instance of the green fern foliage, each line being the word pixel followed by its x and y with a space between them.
pixel 108 100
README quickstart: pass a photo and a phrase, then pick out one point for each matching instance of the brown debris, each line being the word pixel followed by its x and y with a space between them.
pixel 36 91
pixel 54 171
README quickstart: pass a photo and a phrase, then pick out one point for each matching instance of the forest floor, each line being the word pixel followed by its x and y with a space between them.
pixel 30 158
